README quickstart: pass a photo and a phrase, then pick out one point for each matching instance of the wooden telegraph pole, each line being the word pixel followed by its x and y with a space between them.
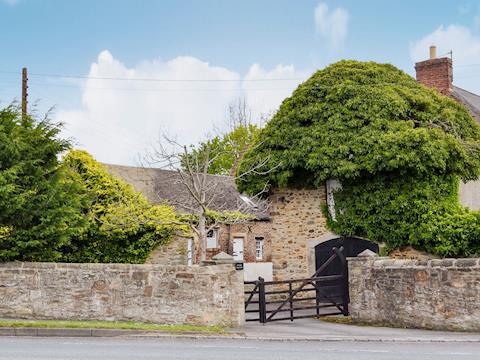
pixel 24 92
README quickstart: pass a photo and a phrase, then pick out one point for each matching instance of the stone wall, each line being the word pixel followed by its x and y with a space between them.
pixel 438 294
pixel 173 253
pixel 210 295
pixel 296 219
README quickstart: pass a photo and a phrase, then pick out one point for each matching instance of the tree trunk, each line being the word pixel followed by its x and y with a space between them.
pixel 202 236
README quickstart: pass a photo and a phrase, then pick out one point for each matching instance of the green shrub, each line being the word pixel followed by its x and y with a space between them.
pixel 397 147
pixel 123 227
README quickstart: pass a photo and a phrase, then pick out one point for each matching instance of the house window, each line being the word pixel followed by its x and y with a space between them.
pixel 190 252
pixel 259 248
pixel 212 241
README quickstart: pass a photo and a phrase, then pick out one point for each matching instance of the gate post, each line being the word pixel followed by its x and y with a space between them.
pixel 345 295
pixel 261 300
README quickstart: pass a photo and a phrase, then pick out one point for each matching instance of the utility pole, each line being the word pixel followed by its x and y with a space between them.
pixel 24 92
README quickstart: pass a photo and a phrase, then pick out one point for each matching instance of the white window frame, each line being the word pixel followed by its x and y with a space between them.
pixel 190 252
pixel 259 241
pixel 212 239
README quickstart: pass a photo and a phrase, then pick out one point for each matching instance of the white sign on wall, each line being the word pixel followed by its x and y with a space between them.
pixel 252 271
pixel 332 186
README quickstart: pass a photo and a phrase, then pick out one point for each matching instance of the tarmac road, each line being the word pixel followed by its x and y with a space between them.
pixel 23 348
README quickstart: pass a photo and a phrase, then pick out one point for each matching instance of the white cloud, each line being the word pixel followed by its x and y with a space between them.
pixel 332 24
pixel 120 119
pixel 466 53
pixel 266 96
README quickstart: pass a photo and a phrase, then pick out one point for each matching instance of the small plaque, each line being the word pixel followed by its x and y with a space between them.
pixel 239 266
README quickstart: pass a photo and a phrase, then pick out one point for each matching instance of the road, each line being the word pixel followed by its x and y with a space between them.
pixel 22 348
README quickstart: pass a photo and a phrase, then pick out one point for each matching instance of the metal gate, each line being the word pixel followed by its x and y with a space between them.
pixel 300 298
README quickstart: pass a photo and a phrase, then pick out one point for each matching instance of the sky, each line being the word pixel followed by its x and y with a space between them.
pixel 119 74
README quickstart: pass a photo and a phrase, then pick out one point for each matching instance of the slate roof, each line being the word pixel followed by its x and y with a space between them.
pixel 160 186
pixel 470 100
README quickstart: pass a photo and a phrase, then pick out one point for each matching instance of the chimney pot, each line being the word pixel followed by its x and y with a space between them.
pixel 433 52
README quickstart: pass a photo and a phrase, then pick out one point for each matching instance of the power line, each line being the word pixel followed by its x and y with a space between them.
pixel 467 65
pixel 316 86
pixel 115 78
pixel 149 79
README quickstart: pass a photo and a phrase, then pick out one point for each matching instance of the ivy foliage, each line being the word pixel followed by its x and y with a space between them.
pixel 421 212
pixel 397 147
pixel 39 206
pixel 122 226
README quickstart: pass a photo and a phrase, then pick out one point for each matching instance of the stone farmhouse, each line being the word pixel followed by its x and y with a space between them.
pixel 277 244
pixel 280 243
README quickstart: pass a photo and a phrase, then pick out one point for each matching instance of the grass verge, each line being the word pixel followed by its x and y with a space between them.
pixel 125 325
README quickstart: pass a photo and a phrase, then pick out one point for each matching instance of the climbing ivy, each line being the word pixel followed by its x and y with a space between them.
pixel 398 148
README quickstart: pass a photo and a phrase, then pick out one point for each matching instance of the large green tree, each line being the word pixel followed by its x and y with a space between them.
pixel 398 148
pixel 39 206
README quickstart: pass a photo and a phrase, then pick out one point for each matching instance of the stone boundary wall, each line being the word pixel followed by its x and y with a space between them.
pixel 198 295
pixel 441 294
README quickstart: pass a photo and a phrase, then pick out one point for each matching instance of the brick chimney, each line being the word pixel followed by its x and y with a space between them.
pixel 436 72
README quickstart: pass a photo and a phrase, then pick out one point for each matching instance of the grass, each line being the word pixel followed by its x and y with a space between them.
pixel 126 325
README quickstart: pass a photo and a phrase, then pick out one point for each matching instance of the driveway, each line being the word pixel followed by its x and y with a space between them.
pixel 312 329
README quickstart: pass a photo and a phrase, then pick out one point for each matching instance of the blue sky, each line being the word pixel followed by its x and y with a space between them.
pixel 234 41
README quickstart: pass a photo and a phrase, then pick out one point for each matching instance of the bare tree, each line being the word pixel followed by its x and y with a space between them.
pixel 239 113
pixel 240 116
pixel 206 196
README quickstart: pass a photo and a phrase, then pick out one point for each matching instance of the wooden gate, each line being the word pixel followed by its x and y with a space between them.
pixel 300 298
pixel 352 246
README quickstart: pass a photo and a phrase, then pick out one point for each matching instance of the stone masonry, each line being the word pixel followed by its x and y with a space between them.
pixel 296 218
pixel 173 253
pixel 210 295
pixel 441 294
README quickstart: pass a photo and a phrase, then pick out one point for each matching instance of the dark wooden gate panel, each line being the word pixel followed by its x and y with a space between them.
pixel 300 298
pixel 352 246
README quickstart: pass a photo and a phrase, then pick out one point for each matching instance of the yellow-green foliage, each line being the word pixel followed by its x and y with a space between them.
pixel 122 225
pixel 226 217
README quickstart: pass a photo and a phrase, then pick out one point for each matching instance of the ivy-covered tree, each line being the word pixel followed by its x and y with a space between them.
pixel 398 148
pixel 39 206
pixel 122 226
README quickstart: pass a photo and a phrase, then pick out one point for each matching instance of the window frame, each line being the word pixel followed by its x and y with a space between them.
pixel 213 238
pixel 259 240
